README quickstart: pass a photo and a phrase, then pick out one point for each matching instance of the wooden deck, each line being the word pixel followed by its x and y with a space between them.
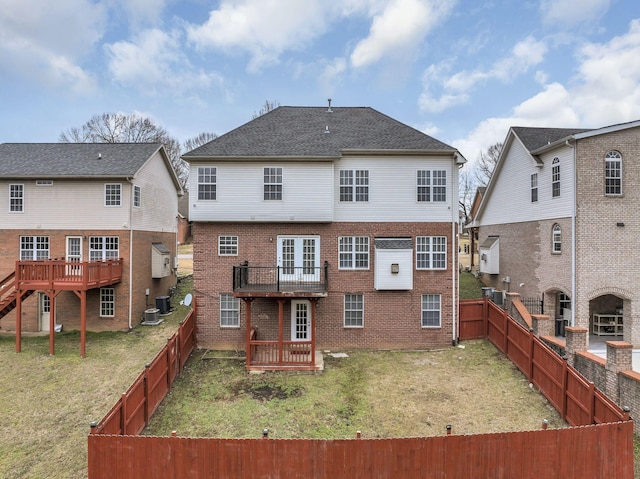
pixel 292 356
pixel 59 275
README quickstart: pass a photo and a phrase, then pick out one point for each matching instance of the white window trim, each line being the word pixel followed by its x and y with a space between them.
pixel 220 245
pixel 103 249
pixel 235 310
pixel 534 187
pixel 137 196
pixel 113 303
pixel 214 173
pixel 107 185
pixel 555 171
pixel 279 171
pixel 354 253
pixel 431 253
pixel 430 186
pixel 556 239
pixel 613 157
pixel 422 311
pixel 34 251
pixel 344 311
pixel 353 185
pixel 21 197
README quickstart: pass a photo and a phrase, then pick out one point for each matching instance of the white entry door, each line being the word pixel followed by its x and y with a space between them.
pixel 74 255
pixel 44 309
pixel 300 320
pixel 299 258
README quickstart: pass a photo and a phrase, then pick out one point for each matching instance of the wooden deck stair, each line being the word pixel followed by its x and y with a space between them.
pixel 8 294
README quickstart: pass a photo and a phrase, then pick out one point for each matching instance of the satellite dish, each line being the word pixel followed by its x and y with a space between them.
pixel 187 299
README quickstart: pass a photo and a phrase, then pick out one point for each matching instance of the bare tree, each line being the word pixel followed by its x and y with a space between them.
pixel 266 108
pixel 487 163
pixel 196 141
pixel 467 187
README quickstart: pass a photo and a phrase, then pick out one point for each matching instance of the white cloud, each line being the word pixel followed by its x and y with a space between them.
pixel 48 44
pixel 401 27
pixel 153 62
pixel 331 75
pixel 567 14
pixel 141 12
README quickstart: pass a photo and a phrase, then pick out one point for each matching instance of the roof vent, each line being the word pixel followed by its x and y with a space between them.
pixel 329 110
pixel 326 129
pixel 99 156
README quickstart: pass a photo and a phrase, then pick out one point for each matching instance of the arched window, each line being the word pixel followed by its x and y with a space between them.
pixel 613 173
pixel 555 177
pixel 556 239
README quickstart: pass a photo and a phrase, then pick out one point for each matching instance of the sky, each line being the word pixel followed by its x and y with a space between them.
pixel 462 71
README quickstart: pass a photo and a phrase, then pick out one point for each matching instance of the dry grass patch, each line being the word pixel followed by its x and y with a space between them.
pixel 382 394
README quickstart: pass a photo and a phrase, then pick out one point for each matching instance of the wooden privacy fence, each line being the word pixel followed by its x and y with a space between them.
pixel 130 415
pixel 578 400
pixel 595 451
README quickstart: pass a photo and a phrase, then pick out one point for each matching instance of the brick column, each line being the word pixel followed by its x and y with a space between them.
pixel 618 359
pixel 542 325
pixel 577 339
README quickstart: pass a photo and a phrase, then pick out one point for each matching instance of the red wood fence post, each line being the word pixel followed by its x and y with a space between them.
pixel 531 349
pixel 505 316
pixel 146 394
pixel 592 402
pixel 565 387
pixel 123 414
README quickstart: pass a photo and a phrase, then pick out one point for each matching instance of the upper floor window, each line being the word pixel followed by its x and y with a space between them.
pixel 431 252
pixel 534 187
pixel 207 183
pixel 112 194
pixel 137 196
pixel 613 173
pixel 354 185
pixel 555 177
pixel 34 248
pixel 16 198
pixel 431 185
pixel 556 239
pixel 103 247
pixel 353 252
pixel 228 245
pixel 273 183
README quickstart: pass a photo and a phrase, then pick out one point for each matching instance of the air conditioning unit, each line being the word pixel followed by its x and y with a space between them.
pixel 498 297
pixel 151 315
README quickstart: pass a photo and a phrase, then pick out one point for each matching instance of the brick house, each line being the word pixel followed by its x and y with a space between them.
pixel 558 221
pixel 88 236
pixel 323 228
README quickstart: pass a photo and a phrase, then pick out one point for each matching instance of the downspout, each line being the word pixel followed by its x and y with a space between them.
pixel 573 235
pixel 454 261
pixel 130 253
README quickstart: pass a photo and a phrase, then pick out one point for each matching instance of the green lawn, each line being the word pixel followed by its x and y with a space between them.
pixel 470 287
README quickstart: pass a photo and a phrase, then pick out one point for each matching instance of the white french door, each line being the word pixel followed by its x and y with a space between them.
pixel 74 255
pixel 300 320
pixel 299 258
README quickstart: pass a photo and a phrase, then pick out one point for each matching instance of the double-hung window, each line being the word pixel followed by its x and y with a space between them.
pixel 431 310
pixel 353 310
pixel 112 194
pixel 273 183
pixel 354 185
pixel 34 248
pixel 534 187
pixel 103 248
pixel 227 245
pixel 16 198
pixel 353 252
pixel 107 302
pixel 229 311
pixel 137 196
pixel 556 239
pixel 207 176
pixel 431 252
pixel 613 174
pixel 555 177
pixel 431 185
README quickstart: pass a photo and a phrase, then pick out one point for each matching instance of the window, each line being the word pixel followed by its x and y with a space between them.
pixel 431 252
pixel 103 247
pixel 206 183
pixel 555 177
pixel 229 311
pixel 273 183
pixel 228 245
pixel 34 248
pixel 353 252
pixel 353 310
pixel 431 185
pixel 431 311
pixel 107 302
pixel 354 185
pixel 556 239
pixel 112 194
pixel 613 173
pixel 137 197
pixel 16 198
pixel 534 187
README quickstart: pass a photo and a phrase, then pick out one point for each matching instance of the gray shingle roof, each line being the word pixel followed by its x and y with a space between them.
pixel 534 138
pixel 301 132
pixel 51 160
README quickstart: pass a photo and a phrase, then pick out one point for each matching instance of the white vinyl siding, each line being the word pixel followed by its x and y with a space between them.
pixel 229 311
pixel 431 310
pixel 354 310
pixel 16 198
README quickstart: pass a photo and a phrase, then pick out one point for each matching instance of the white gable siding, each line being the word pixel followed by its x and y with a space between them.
pixel 65 205
pixel 509 200
pixel 306 197
pixel 392 190
pixel 159 198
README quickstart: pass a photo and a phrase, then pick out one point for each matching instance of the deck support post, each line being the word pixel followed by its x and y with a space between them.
pixel 18 320
pixel 280 331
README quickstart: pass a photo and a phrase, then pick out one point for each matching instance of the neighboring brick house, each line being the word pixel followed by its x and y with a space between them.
pixel 324 227
pixel 80 206
pixel 558 221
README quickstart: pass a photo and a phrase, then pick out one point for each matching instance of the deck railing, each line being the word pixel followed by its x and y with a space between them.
pixel 58 274
pixel 280 278
pixel 285 353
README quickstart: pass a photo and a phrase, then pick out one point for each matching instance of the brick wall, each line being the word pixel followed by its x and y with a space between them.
pixel 392 319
